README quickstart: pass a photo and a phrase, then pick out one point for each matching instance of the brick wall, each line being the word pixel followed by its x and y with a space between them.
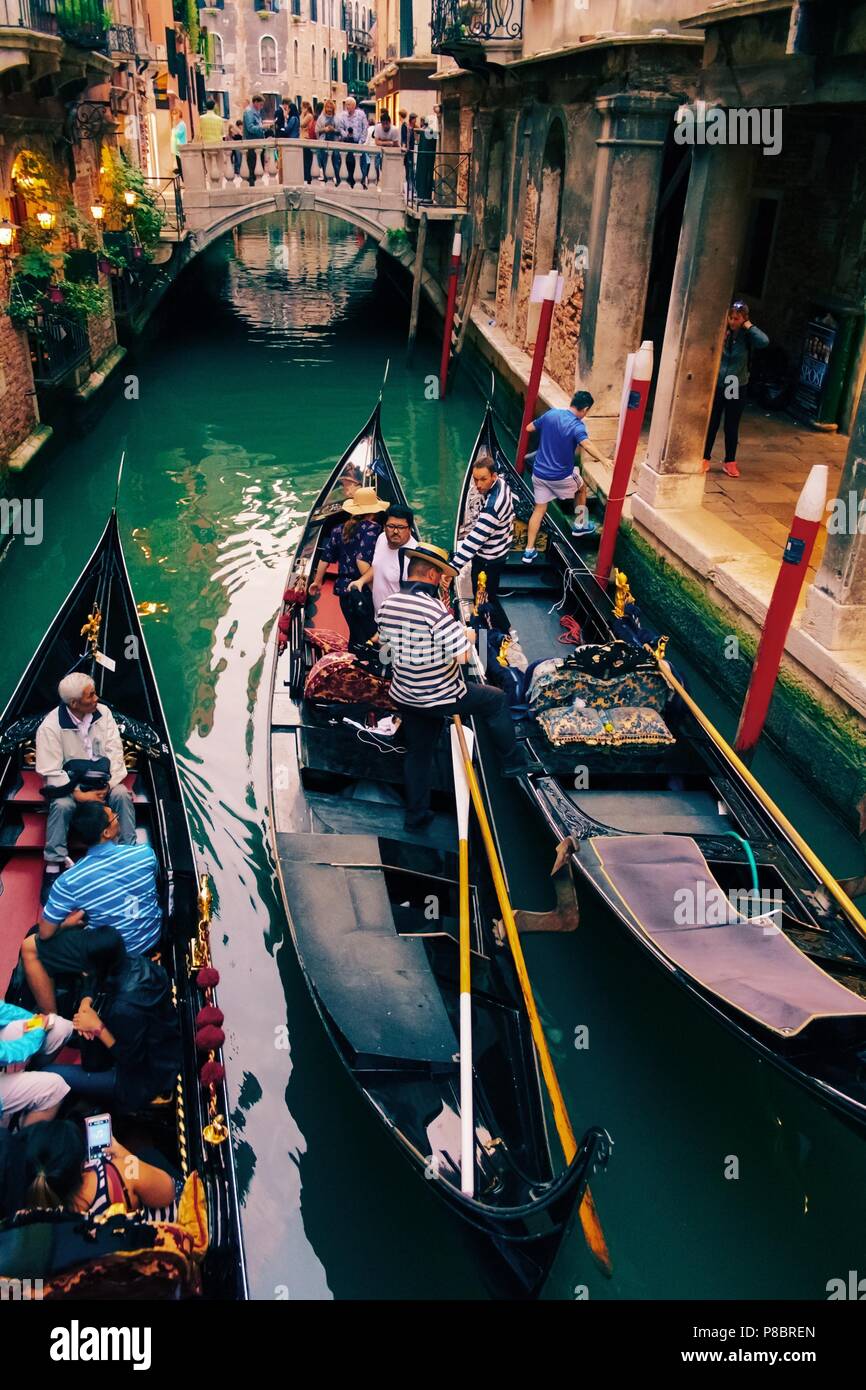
pixel 17 402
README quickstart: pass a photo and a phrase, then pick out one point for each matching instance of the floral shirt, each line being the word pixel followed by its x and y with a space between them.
pixel 359 546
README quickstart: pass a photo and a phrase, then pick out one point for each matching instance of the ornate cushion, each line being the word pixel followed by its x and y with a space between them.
pixel 324 640
pixel 633 724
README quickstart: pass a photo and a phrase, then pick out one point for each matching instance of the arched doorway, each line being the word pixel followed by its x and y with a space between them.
pixel 549 215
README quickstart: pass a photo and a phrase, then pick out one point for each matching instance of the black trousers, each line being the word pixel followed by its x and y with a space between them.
pixel 733 413
pixel 421 730
pixel 308 165
pixel 493 570
pixel 358 612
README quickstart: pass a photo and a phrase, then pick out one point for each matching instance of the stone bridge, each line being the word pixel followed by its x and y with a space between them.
pixel 217 197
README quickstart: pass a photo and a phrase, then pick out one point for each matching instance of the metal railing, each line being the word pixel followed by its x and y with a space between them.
pixel 457 24
pixel 29 14
pixel 166 195
pixel 359 38
pixel 57 345
pixel 121 39
pixel 438 179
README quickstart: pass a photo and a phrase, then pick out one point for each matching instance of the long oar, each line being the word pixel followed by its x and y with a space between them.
pixel 589 1220
pixel 467 1105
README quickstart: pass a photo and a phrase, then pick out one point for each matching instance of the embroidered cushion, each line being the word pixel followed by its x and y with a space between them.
pixel 338 678
pixel 324 640
pixel 612 728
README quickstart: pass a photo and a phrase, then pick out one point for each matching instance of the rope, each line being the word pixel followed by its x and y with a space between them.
pixel 568 576
pixel 572 636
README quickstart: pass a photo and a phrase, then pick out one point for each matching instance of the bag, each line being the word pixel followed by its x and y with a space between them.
pixel 616 727
pixel 339 678
pixel 90 774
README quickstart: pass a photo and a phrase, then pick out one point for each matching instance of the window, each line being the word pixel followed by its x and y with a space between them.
pixel 333 67
pixel 356 14
pixel 218 59
pixel 313 59
pixel 325 63
pixel 314 11
pixel 222 103
pixel 295 57
pixel 296 7
pixel 267 54
pixel 363 19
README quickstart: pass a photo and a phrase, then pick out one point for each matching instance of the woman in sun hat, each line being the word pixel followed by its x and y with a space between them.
pixel 351 547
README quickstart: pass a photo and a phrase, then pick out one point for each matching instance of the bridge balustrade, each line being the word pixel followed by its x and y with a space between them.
pixel 262 163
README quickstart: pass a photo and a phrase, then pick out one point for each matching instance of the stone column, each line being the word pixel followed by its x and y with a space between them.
pixel 836 603
pixel 714 224
pixel 624 200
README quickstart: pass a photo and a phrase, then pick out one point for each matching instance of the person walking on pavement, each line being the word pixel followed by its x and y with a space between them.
pixel 491 535
pixel 425 647
pixel 729 400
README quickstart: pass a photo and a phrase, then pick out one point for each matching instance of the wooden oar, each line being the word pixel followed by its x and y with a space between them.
pixel 589 1220
pixel 834 888
pixel 467 1105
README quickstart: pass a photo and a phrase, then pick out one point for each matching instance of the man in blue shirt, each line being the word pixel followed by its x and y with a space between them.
pixel 254 129
pixel 554 474
pixel 114 885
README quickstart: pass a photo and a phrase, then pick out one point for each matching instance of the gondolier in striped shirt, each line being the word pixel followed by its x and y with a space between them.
pixel 425 647
pixel 490 537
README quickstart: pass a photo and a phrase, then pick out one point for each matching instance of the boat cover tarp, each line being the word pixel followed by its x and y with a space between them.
pixel 377 986
pixel 750 965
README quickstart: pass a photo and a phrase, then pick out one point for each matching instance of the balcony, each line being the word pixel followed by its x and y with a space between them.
pixel 358 88
pixel 39 15
pixel 359 38
pixel 58 344
pixel 121 39
pixel 83 23
pixel 477 33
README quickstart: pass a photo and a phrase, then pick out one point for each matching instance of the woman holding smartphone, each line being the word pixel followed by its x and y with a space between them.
pixel 59 1174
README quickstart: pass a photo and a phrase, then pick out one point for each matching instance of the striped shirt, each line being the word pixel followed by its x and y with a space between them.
pixel 422 642
pixel 116 886
pixel 491 536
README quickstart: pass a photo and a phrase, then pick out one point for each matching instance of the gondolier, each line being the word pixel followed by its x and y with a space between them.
pixel 426 646
pixel 490 538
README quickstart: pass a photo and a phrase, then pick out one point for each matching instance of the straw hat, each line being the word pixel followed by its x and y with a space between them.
pixel 365 502
pixel 433 554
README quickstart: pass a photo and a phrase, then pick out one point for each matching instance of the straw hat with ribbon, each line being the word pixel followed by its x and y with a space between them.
pixel 365 502
pixel 433 555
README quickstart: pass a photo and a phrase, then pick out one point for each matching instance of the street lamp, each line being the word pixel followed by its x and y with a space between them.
pixel 97 211
pixel 7 234
pixel 45 220
pixel 130 198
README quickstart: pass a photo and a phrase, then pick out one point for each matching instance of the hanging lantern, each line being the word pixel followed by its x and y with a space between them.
pixel 45 219
pixel 7 233
pixel 130 197
pixel 97 211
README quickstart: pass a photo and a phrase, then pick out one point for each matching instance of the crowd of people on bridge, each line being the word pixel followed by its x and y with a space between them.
pixel 322 122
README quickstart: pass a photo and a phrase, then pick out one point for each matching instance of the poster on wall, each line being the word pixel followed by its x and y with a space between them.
pixel 814 368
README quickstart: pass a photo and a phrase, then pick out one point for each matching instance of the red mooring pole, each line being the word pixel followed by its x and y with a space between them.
pixel 632 423
pixel 453 275
pixel 789 581
pixel 541 340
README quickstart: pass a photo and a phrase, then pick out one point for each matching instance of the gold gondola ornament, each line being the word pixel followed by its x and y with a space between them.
pixel 209 1036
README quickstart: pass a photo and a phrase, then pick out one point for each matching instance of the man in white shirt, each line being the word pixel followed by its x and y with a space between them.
pixel 384 572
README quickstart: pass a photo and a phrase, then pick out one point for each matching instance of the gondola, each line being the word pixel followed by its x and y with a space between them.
pixel 97 631
pixel 373 909
pixel 670 835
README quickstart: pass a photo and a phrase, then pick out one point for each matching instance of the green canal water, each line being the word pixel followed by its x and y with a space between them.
pixel 266 361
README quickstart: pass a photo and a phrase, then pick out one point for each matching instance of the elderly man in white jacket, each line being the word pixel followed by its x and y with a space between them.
pixel 80 728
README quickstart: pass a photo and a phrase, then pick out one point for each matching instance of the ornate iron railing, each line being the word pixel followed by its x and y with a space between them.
pixel 459 24
pixel 121 39
pixel 167 197
pixel 439 180
pixel 57 344
pixel 29 14
pixel 359 38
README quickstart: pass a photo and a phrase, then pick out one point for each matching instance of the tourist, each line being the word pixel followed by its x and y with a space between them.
pixel 326 129
pixel 409 146
pixel 491 535
pixel 386 137
pixel 287 122
pixel 178 137
pixel 308 132
pixel 130 1048
pixel 114 885
pixel 729 399
pixel 352 125
pixel 386 570
pixel 211 125
pixel 425 647
pixel 253 129
pixel 561 433
pixel 79 753
pixel 426 159
pixel 59 1176
pixel 351 548
pixel 236 132
pixel 26 1038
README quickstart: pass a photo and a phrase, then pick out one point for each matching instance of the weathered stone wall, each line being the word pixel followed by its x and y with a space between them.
pixel 17 402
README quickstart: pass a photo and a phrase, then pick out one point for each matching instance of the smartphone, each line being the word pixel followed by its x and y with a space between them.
pixel 98 1135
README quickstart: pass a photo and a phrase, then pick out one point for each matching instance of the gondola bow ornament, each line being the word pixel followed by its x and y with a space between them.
pixel 209 1034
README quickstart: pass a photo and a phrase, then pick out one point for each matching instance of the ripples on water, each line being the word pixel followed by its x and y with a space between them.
pixel 267 364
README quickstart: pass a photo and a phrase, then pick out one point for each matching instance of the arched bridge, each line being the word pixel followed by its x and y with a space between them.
pixel 229 183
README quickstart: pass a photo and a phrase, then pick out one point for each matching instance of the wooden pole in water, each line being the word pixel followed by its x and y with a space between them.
pixel 808 516
pixel 467 1103
pixel 589 1221
pixel 541 339
pixel 417 275
pixel 453 274
pixel 631 424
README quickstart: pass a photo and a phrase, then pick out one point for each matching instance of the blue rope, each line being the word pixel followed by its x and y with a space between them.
pixel 750 856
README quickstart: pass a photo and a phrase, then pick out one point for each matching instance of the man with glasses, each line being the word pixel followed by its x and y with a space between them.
pixel 114 885
pixel 386 568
